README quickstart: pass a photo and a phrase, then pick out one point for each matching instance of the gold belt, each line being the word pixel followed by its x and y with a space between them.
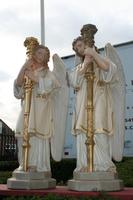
pixel 42 96
pixel 101 83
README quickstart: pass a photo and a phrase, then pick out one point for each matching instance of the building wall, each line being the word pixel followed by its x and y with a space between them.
pixel 125 52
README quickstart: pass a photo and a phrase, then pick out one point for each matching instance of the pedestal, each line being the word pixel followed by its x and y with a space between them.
pixel 95 181
pixel 31 180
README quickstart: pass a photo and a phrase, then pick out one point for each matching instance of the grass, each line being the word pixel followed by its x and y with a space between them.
pixel 101 196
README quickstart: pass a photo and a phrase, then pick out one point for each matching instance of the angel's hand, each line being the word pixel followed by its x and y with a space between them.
pixel 28 64
pixel 88 59
pixel 31 75
pixel 89 52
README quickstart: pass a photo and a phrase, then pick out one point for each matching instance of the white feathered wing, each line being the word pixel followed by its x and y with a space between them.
pixel 119 94
pixel 60 109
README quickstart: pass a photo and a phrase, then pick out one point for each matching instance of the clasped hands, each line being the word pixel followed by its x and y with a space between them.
pixel 89 56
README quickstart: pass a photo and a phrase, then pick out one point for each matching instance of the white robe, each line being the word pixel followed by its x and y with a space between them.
pixel 103 117
pixel 41 119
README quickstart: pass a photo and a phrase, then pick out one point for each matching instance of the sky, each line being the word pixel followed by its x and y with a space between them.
pixel 63 22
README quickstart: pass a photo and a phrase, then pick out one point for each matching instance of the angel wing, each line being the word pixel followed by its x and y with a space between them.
pixel 119 94
pixel 60 109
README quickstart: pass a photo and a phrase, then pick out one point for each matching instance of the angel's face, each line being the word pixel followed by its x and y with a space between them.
pixel 79 48
pixel 41 56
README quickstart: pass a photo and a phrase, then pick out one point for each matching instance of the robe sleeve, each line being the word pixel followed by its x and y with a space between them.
pixel 18 91
pixel 75 77
pixel 109 76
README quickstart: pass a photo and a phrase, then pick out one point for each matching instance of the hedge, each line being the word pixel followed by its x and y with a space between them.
pixel 63 170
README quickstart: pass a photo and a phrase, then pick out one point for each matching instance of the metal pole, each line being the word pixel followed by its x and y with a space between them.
pixel 42 22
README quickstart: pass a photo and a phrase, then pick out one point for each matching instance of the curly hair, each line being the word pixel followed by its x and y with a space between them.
pixel 79 38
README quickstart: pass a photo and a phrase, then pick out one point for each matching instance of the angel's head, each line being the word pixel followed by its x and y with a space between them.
pixel 41 54
pixel 79 46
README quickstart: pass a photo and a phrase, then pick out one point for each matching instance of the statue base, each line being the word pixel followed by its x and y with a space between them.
pixel 31 180
pixel 95 181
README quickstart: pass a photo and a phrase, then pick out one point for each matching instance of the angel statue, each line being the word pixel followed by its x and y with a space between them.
pixel 109 106
pixel 48 108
